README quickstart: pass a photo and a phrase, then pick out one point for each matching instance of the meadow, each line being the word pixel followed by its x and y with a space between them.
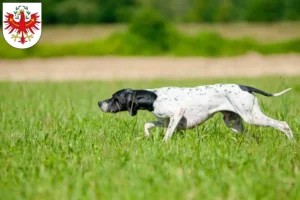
pixel 56 144
pixel 137 39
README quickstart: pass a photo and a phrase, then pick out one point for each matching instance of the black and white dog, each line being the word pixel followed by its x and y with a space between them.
pixel 185 108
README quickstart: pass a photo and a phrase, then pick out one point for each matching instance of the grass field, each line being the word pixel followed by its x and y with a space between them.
pixel 56 144
pixel 205 40
pixel 208 44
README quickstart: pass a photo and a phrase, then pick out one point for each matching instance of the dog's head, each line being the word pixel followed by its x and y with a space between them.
pixel 122 100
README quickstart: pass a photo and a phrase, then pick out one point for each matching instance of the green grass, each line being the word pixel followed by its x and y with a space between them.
pixel 206 44
pixel 56 144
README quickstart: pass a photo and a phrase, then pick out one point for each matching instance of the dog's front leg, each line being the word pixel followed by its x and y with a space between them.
pixel 174 120
pixel 150 125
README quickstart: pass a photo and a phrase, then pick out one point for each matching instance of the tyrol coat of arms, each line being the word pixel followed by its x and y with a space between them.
pixel 22 24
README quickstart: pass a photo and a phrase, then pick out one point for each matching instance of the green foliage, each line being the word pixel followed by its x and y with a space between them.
pixel 116 11
pixel 212 45
pixel 77 12
pixel 56 144
pixel 267 10
pixel 224 12
pixel 292 11
pixel 150 26
pixel 162 40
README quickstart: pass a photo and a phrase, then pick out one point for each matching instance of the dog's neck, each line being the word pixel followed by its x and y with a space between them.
pixel 145 99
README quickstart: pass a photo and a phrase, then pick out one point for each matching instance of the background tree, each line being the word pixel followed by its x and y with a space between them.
pixel 122 11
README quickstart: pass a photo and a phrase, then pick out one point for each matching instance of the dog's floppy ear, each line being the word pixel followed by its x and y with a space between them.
pixel 132 103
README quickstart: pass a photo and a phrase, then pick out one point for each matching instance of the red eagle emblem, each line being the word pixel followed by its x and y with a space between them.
pixel 24 27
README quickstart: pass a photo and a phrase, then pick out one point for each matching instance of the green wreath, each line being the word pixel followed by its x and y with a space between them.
pixel 27 13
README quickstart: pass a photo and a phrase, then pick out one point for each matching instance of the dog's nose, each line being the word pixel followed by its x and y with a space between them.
pixel 100 103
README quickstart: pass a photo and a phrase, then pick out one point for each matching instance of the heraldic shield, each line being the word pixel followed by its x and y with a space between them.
pixel 22 24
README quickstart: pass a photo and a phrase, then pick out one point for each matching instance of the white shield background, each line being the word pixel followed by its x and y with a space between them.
pixel 33 8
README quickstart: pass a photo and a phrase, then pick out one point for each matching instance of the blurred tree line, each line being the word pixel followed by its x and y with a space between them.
pixel 119 11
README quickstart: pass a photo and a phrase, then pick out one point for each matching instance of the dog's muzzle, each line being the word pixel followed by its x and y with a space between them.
pixel 103 106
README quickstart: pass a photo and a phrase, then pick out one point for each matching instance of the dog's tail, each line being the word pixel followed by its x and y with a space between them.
pixel 281 93
pixel 252 89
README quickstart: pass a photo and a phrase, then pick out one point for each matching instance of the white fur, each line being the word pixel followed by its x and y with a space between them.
pixel 104 107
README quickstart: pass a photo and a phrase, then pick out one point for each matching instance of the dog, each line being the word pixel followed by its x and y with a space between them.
pixel 185 108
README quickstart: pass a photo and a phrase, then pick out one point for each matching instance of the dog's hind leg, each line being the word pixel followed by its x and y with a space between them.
pixel 233 121
pixel 259 119
pixel 256 117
